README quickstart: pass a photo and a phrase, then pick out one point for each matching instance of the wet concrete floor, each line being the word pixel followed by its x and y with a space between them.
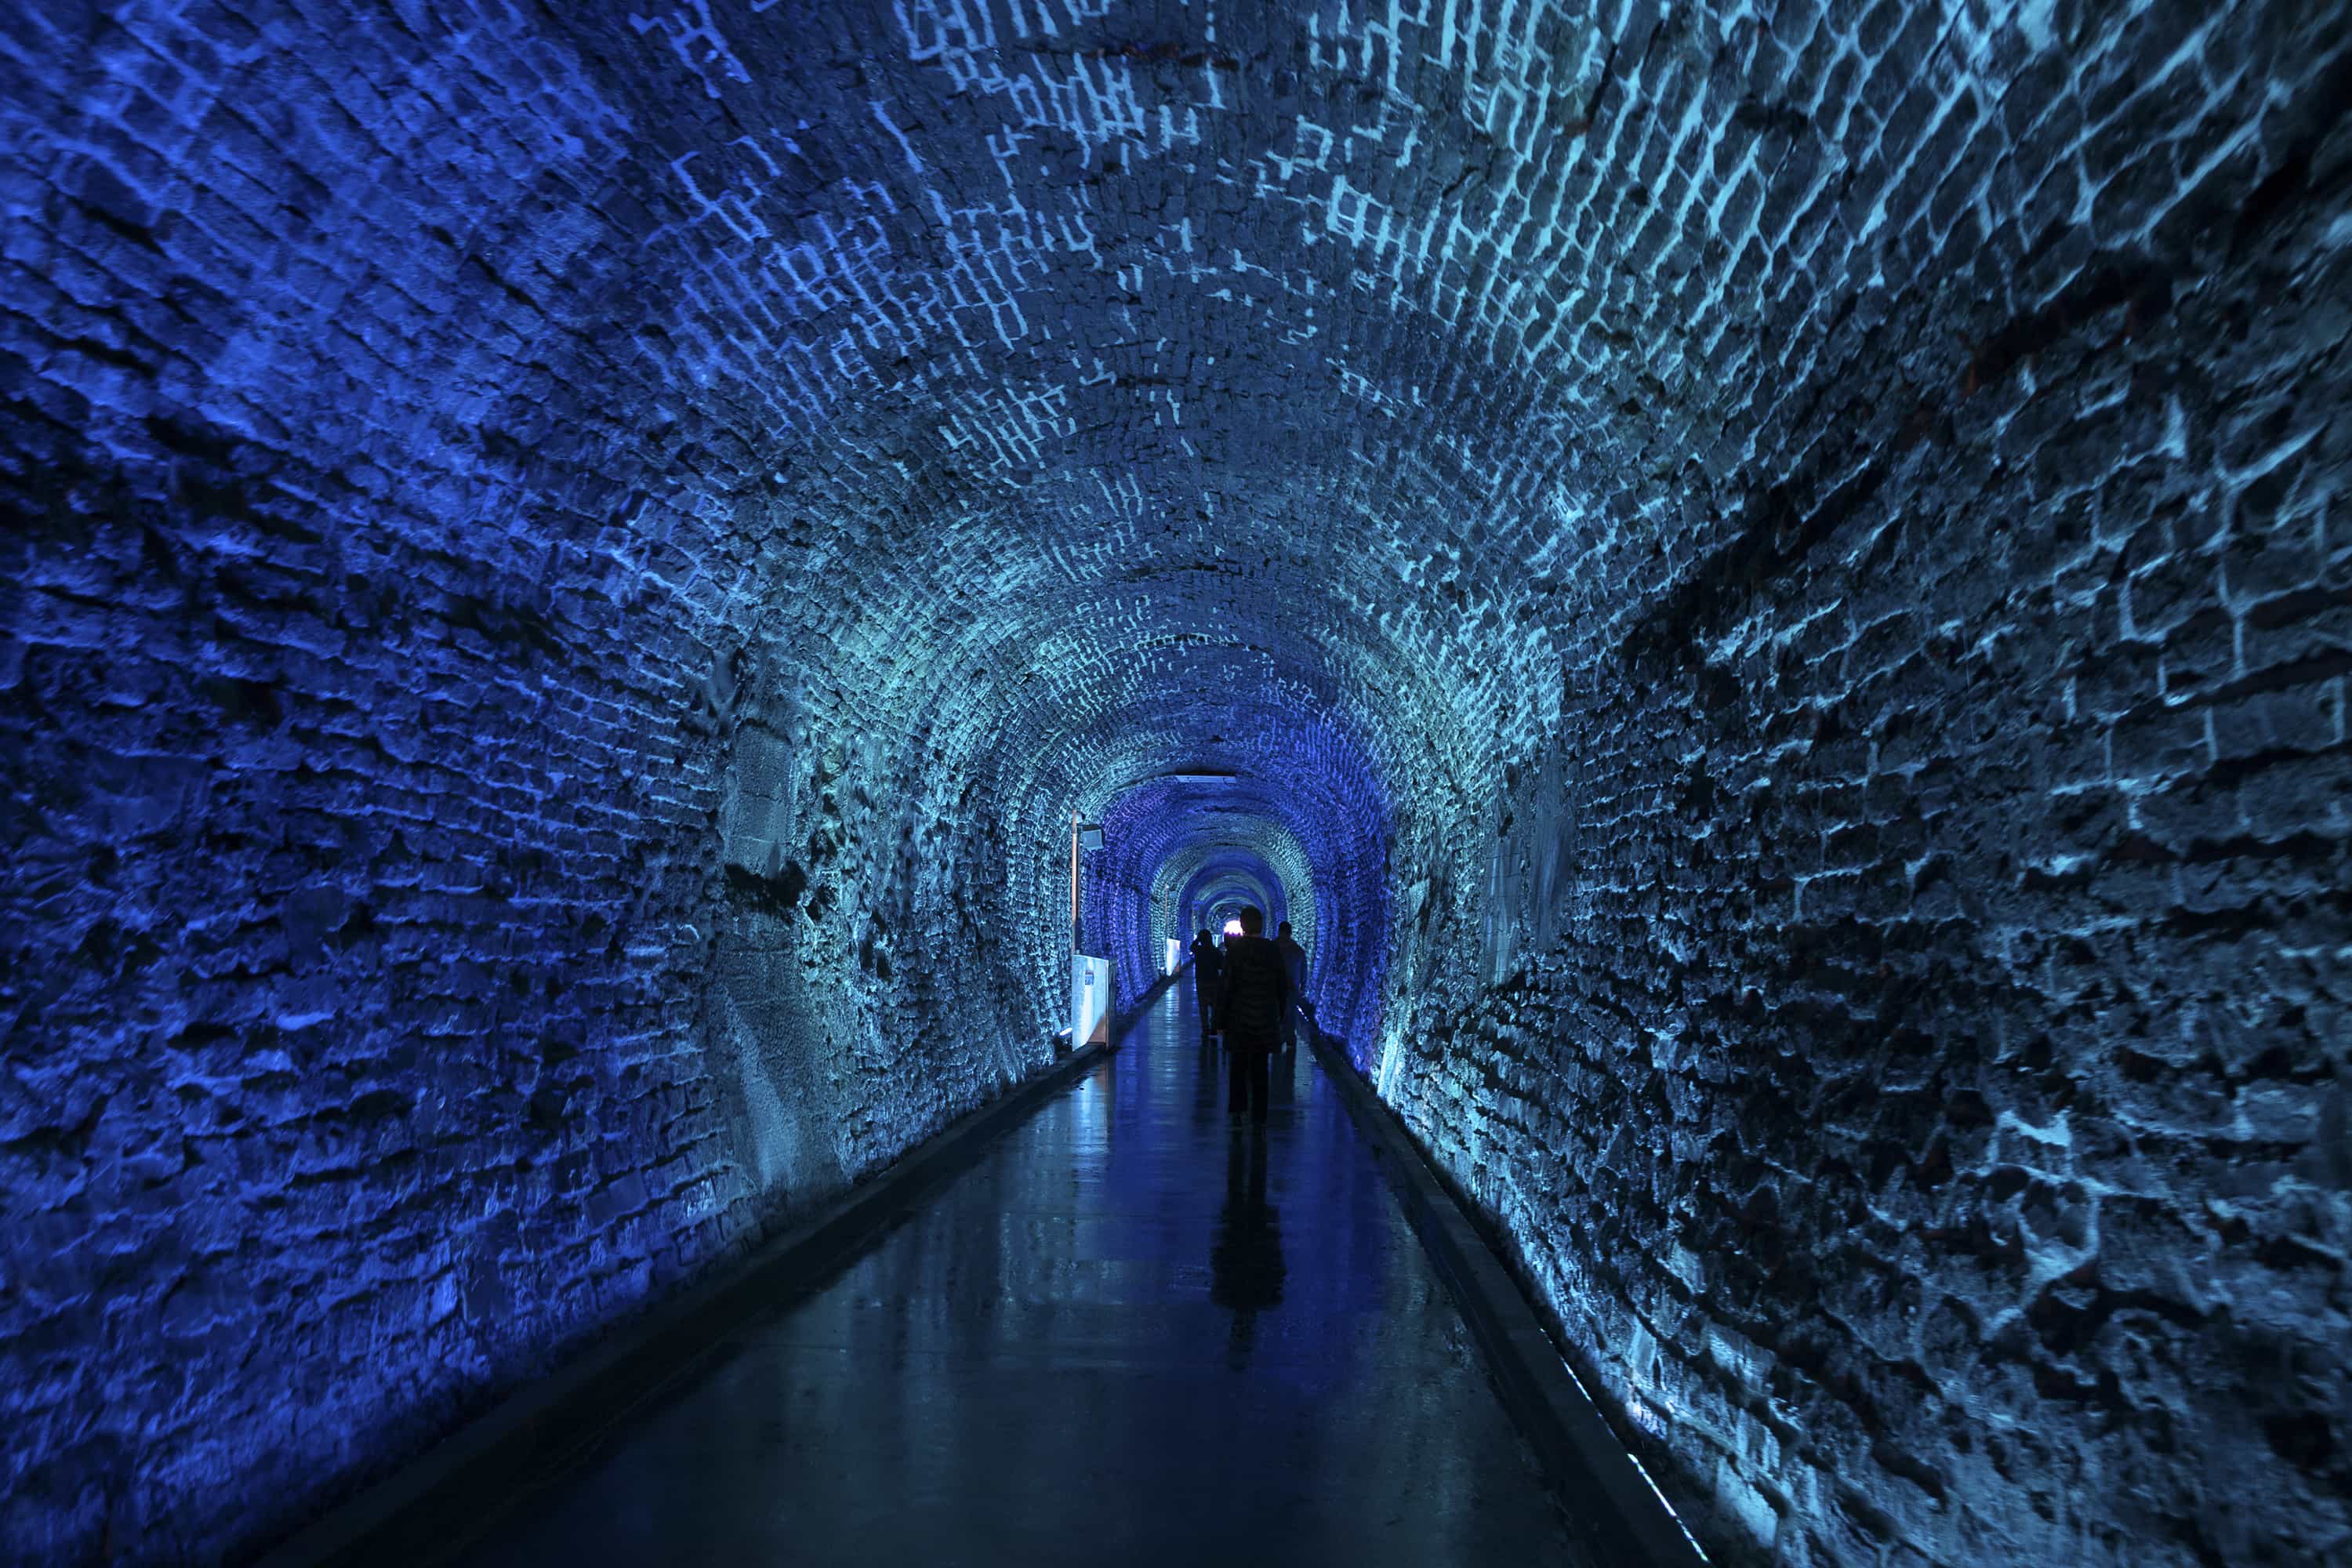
pixel 1137 1332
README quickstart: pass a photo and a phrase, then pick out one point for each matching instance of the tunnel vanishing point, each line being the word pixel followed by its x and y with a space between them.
pixel 1769 583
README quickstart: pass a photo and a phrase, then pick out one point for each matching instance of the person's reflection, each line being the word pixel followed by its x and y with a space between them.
pixel 1246 1258
pixel 1208 1085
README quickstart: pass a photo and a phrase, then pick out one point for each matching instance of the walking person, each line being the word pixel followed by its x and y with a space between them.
pixel 1208 963
pixel 1251 994
pixel 1294 964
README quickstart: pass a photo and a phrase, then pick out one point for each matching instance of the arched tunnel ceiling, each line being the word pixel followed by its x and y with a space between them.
pixel 1070 383
pixel 1766 568
pixel 1085 365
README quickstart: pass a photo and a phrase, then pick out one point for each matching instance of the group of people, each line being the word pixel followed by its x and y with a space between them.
pixel 1251 991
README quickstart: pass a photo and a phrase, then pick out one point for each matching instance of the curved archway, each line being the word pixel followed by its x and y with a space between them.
pixel 1763 579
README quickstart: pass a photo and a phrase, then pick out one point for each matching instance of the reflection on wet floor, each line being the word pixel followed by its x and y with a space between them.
pixel 1137 1332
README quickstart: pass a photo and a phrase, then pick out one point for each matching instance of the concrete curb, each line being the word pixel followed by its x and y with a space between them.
pixel 421 1511
pixel 1627 1521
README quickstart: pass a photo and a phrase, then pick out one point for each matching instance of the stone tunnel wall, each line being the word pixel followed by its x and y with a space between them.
pixel 440 916
pixel 1903 1028
pixel 1779 562
pixel 512 795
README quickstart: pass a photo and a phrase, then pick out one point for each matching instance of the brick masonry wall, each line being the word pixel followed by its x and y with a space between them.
pixel 344 962
pixel 419 856
pixel 1772 572
pixel 1904 1030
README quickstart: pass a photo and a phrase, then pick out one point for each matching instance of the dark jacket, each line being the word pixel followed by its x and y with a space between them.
pixel 1294 964
pixel 1253 993
pixel 1206 960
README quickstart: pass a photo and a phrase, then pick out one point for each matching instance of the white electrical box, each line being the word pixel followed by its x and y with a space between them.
pixel 1089 1002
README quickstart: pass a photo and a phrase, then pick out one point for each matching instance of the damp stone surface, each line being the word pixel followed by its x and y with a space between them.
pixel 1769 584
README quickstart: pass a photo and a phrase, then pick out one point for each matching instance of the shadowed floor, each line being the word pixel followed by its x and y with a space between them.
pixel 1134 1332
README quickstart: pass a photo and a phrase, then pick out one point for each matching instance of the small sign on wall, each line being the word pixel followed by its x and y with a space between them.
pixel 1090 1001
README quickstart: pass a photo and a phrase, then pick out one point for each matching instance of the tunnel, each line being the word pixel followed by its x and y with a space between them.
pixel 1765 582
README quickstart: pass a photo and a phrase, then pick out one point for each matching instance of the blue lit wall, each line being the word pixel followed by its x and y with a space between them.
pixel 1770 581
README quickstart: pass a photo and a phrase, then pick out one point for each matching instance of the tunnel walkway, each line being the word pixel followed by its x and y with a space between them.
pixel 1132 1332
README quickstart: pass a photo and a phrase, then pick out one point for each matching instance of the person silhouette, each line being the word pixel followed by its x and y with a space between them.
pixel 1208 968
pixel 1245 1271
pixel 1253 993
pixel 1294 964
